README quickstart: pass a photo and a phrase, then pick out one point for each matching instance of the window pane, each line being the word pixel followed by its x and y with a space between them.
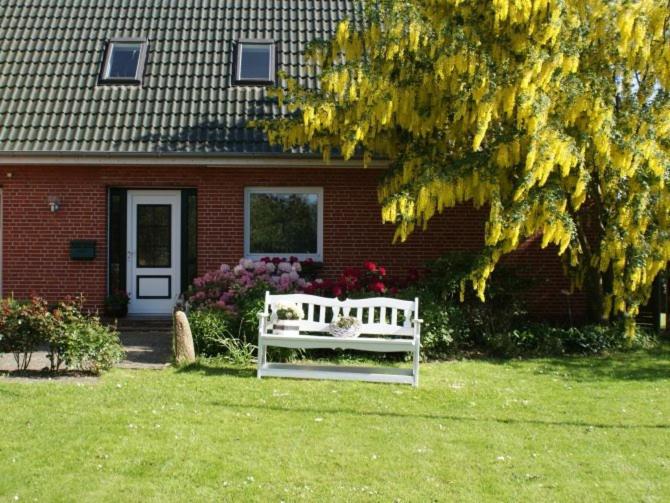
pixel 154 235
pixel 123 61
pixel 255 62
pixel 284 223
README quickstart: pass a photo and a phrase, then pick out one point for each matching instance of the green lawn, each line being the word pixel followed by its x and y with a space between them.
pixel 543 430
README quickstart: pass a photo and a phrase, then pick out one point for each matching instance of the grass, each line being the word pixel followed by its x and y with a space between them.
pixel 540 430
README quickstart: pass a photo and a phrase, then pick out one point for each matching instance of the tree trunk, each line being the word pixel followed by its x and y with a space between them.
pixel 596 286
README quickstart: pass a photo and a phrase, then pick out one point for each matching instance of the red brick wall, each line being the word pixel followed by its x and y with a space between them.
pixel 36 241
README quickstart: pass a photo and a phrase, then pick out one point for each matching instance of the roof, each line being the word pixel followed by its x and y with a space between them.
pixel 51 52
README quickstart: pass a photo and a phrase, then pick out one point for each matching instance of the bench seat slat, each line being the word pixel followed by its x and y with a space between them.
pixel 374 329
pixel 375 344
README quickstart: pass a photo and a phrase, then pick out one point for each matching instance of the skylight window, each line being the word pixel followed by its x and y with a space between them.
pixel 124 61
pixel 255 62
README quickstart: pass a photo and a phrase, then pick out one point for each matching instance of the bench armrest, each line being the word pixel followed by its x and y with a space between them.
pixel 417 320
pixel 263 316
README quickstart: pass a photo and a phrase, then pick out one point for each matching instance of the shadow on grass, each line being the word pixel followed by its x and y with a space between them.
pixel 646 365
pixel 47 375
pixel 440 417
pixel 216 369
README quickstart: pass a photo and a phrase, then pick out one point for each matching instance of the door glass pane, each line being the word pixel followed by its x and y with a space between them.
pixel 154 235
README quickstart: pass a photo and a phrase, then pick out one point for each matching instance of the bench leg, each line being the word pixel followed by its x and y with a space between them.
pixel 417 356
pixel 260 360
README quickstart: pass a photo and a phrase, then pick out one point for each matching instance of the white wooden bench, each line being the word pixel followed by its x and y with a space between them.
pixel 388 325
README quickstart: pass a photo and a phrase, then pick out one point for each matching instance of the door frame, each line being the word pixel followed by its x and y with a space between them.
pixel 2 202
pixel 174 277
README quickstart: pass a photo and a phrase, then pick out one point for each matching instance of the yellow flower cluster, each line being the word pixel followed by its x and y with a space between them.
pixel 549 112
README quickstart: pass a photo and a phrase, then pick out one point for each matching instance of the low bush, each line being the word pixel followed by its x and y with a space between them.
pixel 370 280
pixel 75 339
pixel 209 327
pixel 225 304
pixel 444 331
pixel 227 286
pixel 24 326
pixel 81 341
pixel 545 340
pixel 92 346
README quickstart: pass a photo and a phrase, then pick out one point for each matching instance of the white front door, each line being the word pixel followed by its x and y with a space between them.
pixel 154 250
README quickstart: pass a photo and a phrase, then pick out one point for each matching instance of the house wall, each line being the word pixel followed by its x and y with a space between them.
pixel 36 242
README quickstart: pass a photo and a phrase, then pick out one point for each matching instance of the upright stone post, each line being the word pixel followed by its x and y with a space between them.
pixel 184 351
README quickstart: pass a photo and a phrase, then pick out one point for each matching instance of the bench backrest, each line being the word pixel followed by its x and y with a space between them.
pixel 378 315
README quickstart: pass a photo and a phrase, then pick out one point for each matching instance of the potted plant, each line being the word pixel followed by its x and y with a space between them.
pixel 116 304
pixel 286 319
pixel 345 326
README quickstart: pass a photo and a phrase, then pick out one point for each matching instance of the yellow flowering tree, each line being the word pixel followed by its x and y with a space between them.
pixel 552 114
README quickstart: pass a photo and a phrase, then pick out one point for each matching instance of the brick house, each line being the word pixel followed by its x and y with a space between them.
pixel 126 162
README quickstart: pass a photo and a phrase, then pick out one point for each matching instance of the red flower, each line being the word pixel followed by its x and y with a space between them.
pixel 337 291
pixel 382 271
pixel 413 275
pixel 370 266
pixel 353 272
pixel 378 287
pixel 349 282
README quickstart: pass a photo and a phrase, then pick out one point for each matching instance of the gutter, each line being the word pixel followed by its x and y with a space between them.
pixel 18 158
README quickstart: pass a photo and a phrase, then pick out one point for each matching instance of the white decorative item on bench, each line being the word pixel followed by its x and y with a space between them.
pixel 286 327
pixel 387 325
pixel 336 330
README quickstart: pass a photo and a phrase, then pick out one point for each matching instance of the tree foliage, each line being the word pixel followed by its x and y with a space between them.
pixel 552 114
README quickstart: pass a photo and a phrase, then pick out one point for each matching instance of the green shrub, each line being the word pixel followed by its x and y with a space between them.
pixel 545 340
pixel 78 340
pixel 445 330
pixel 23 327
pixel 209 327
pixel 249 304
pixel 453 325
pixel 81 341
pixel 91 346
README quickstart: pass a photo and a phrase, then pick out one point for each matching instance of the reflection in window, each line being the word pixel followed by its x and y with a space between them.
pixel 255 62
pixel 124 62
pixel 284 222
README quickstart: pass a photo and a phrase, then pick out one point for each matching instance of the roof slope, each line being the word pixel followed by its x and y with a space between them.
pixel 51 52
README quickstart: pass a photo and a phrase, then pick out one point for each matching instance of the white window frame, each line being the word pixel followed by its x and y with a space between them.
pixel 141 61
pixel 272 63
pixel 248 191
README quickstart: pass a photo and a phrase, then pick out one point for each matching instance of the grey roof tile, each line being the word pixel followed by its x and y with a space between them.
pixel 51 52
